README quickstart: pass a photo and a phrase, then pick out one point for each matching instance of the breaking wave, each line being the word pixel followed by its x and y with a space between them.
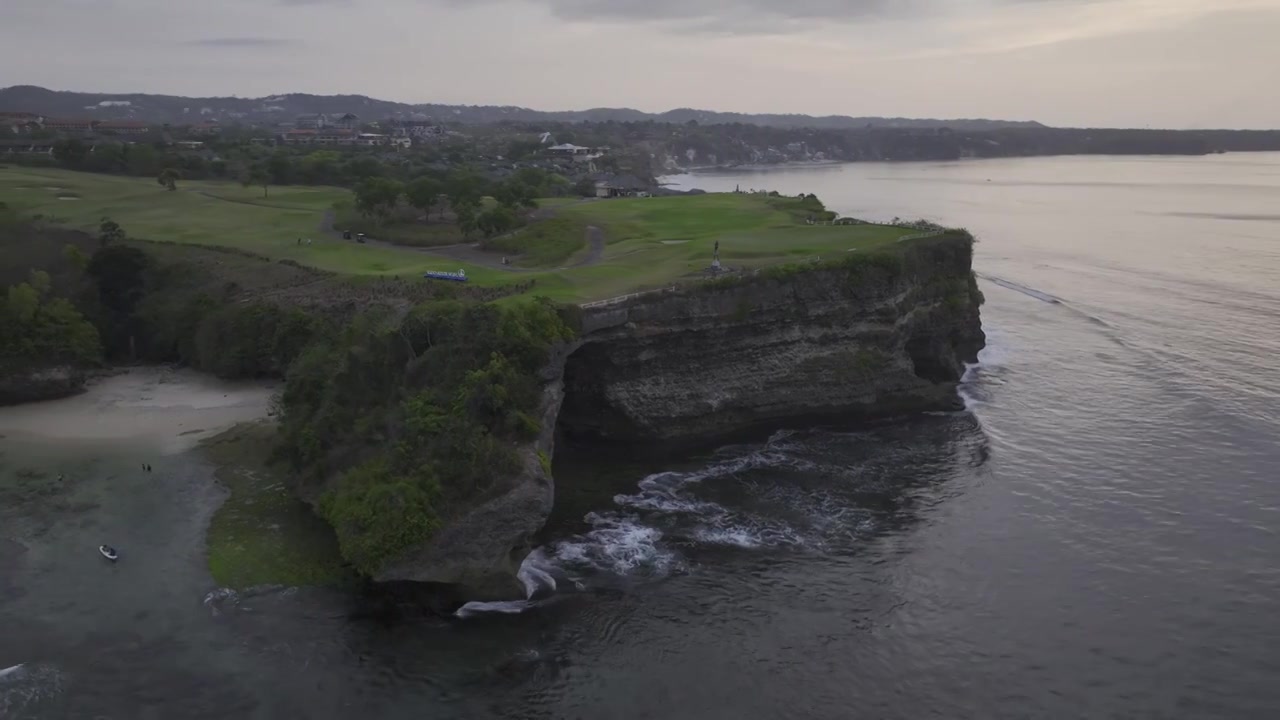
pixel 24 684
pixel 539 585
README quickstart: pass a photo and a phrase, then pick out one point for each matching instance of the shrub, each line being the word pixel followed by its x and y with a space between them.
pixel 437 401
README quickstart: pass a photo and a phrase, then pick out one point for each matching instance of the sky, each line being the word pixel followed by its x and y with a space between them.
pixel 1082 63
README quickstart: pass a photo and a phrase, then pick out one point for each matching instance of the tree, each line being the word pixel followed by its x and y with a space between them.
pixel 464 190
pixel 423 193
pixel 376 197
pixel 75 257
pixel 71 153
pixel 107 157
pixel 515 194
pixel 109 232
pixel 35 326
pixel 363 167
pixel 585 187
pixel 466 218
pixel 257 174
pixel 495 221
pixel 321 167
pixel 168 178
pixel 280 165
pixel 520 149
pixel 142 159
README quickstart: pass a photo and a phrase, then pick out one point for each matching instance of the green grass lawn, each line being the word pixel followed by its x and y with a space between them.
pixel 545 243
pixel 651 242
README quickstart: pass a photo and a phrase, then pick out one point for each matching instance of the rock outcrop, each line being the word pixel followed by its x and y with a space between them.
pixel 870 335
pixel 40 383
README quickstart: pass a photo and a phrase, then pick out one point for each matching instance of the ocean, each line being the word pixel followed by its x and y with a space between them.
pixel 1096 535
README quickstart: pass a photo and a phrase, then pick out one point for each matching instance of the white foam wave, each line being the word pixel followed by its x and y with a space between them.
pixel 641 536
pixel 23 684
pixel 748 532
pixel 219 598
pixel 619 543
pixel 539 583
pixel 504 607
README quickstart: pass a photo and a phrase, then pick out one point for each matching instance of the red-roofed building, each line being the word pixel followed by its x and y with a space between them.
pixel 326 136
pixel 205 129
pixel 69 126
pixel 19 121
pixel 122 127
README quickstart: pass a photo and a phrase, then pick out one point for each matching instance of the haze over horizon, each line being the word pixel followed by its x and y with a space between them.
pixel 1083 63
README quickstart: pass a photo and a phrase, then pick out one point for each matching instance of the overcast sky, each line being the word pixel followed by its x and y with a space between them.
pixel 1130 63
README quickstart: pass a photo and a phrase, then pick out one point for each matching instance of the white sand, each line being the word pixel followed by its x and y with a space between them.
pixel 168 409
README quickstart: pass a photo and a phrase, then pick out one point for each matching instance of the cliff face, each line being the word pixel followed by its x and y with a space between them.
pixel 866 336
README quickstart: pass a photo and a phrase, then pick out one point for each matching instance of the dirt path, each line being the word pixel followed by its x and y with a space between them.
pixel 595 241
pixel 211 196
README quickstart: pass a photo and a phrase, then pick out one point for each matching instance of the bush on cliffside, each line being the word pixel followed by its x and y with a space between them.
pixel 400 424
pixel 37 328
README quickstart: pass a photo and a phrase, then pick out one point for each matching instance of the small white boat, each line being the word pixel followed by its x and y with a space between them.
pixel 108 552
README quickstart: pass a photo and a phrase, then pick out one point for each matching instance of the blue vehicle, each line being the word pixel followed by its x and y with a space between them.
pixel 460 276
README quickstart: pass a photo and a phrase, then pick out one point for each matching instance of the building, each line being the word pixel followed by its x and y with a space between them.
pixel 299 137
pixel 314 121
pixel 19 122
pixel 400 143
pixel 370 139
pixel 414 128
pixel 122 127
pixel 26 147
pixel 336 136
pixel 622 186
pixel 346 121
pixel 568 149
pixel 575 153
pixel 69 126
pixel 326 137
pixel 205 129
pixel 188 144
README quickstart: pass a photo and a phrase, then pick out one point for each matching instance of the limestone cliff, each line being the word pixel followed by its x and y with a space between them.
pixel 867 335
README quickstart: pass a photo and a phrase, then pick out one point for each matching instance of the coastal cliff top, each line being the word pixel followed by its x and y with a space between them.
pixel 574 250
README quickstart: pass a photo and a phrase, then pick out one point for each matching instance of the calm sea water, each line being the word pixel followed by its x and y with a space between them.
pixel 1096 537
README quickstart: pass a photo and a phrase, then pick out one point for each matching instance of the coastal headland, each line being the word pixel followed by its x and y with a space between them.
pixel 420 418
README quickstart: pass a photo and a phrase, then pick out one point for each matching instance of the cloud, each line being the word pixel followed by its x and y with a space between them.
pixel 241 42
pixel 752 17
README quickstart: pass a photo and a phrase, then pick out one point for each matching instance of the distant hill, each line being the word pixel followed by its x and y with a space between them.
pixel 177 109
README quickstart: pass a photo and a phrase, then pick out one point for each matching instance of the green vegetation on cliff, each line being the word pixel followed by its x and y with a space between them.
pixel 397 424
pixel 36 328
pixel 263 534
pixel 39 325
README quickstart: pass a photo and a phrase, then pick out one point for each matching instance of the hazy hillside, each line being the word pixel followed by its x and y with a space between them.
pixel 176 109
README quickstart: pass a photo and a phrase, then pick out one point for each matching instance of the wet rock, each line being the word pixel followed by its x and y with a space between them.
pixel 43 383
